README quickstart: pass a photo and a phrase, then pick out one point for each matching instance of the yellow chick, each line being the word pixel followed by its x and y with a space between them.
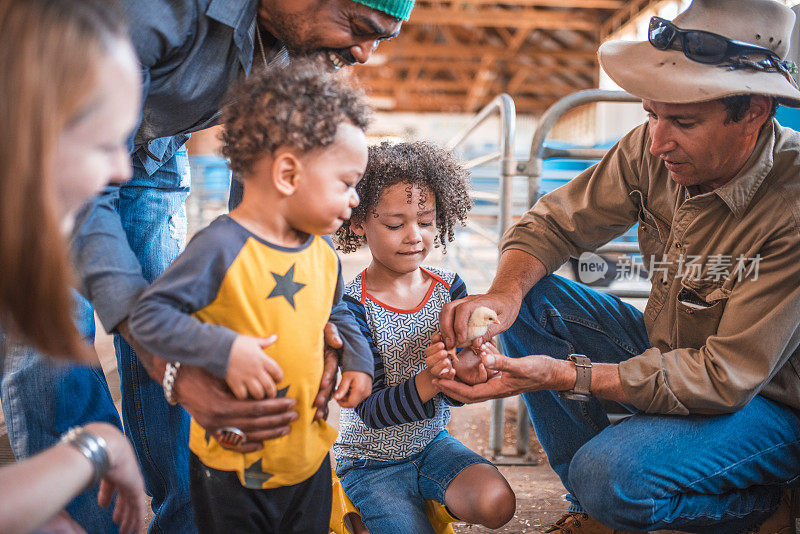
pixel 477 325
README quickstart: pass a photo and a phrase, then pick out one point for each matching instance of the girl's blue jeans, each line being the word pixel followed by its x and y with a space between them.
pixel 391 495
pixel 697 473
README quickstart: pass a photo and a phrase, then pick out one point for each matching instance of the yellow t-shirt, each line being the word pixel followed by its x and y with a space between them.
pixel 249 286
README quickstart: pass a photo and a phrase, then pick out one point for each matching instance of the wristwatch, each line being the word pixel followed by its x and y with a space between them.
pixel 583 380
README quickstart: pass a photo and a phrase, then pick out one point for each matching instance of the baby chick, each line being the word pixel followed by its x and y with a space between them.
pixel 477 325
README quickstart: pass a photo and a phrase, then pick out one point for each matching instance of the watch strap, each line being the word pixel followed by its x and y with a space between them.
pixel 583 379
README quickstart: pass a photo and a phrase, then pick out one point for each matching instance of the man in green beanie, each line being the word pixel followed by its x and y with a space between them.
pixel 190 53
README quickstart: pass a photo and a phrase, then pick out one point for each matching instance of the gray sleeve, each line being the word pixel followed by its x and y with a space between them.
pixel 109 272
pixel 162 322
pixel 356 353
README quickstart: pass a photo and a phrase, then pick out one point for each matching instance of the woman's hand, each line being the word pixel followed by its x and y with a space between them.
pixel 123 478
pixel 61 523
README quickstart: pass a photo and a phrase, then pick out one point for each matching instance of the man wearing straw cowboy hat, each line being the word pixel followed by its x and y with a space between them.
pixel 711 369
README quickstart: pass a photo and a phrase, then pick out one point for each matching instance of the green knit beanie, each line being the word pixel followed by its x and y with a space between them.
pixel 399 9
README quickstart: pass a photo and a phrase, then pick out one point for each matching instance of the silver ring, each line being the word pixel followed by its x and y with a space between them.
pixel 230 436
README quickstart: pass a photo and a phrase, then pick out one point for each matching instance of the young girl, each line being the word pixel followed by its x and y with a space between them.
pixel 393 452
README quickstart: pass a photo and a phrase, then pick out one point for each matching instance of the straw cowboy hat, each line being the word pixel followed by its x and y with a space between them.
pixel 670 76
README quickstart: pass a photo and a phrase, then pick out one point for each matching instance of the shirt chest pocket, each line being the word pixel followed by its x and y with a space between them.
pixel 699 308
pixel 653 232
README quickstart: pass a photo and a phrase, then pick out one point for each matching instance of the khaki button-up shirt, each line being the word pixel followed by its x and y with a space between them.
pixel 723 315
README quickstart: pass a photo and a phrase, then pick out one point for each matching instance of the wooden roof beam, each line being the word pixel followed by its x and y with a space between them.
pixel 456 66
pixel 423 86
pixel 396 50
pixel 582 4
pixel 494 17
pixel 455 104
pixel 624 15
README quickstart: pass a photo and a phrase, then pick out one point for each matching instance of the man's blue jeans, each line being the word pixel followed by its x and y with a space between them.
pixel 152 212
pixel 698 473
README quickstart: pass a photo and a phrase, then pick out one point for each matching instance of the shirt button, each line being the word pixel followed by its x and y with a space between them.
pixel 690 312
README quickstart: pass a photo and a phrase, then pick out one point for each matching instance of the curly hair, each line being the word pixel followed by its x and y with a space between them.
pixel 420 164
pixel 299 105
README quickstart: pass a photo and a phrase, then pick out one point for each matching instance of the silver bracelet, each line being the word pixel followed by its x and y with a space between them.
pixel 91 445
pixel 170 374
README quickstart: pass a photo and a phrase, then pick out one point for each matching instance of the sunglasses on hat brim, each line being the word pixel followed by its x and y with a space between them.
pixel 711 48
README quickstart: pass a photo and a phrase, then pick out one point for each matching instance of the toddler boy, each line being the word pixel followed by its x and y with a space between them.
pixel 265 278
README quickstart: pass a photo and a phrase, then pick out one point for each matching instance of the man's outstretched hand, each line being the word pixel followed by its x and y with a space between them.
pixel 333 349
pixel 454 316
pixel 514 376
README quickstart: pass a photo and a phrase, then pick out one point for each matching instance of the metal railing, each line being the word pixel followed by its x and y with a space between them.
pixel 502 105
pixel 532 169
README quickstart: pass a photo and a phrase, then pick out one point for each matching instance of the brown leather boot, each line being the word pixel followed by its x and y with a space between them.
pixel 783 520
pixel 580 523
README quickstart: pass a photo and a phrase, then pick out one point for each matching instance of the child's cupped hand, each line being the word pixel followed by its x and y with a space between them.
pixel 437 359
pixel 251 373
pixel 468 367
pixel 354 387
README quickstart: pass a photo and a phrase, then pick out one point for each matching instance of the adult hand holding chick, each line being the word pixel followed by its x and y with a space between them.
pixel 478 324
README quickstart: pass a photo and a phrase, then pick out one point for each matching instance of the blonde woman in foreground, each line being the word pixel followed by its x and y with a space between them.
pixel 69 98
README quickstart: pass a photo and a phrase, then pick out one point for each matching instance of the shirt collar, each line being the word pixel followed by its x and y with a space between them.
pixel 241 16
pixel 738 193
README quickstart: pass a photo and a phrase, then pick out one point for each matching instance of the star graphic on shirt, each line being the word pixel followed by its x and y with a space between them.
pixel 285 286
pixel 254 475
pixel 282 392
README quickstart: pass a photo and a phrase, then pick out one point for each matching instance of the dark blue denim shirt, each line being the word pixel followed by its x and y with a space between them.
pixel 190 53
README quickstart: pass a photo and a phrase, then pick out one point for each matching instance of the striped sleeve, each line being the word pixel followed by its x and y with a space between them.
pixel 387 406
pixel 458 289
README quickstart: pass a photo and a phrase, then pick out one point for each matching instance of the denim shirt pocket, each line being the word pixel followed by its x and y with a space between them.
pixel 699 308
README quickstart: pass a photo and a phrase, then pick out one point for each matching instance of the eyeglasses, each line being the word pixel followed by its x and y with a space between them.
pixel 712 48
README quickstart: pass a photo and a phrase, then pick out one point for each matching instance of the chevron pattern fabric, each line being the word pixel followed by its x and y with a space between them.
pixel 399 424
